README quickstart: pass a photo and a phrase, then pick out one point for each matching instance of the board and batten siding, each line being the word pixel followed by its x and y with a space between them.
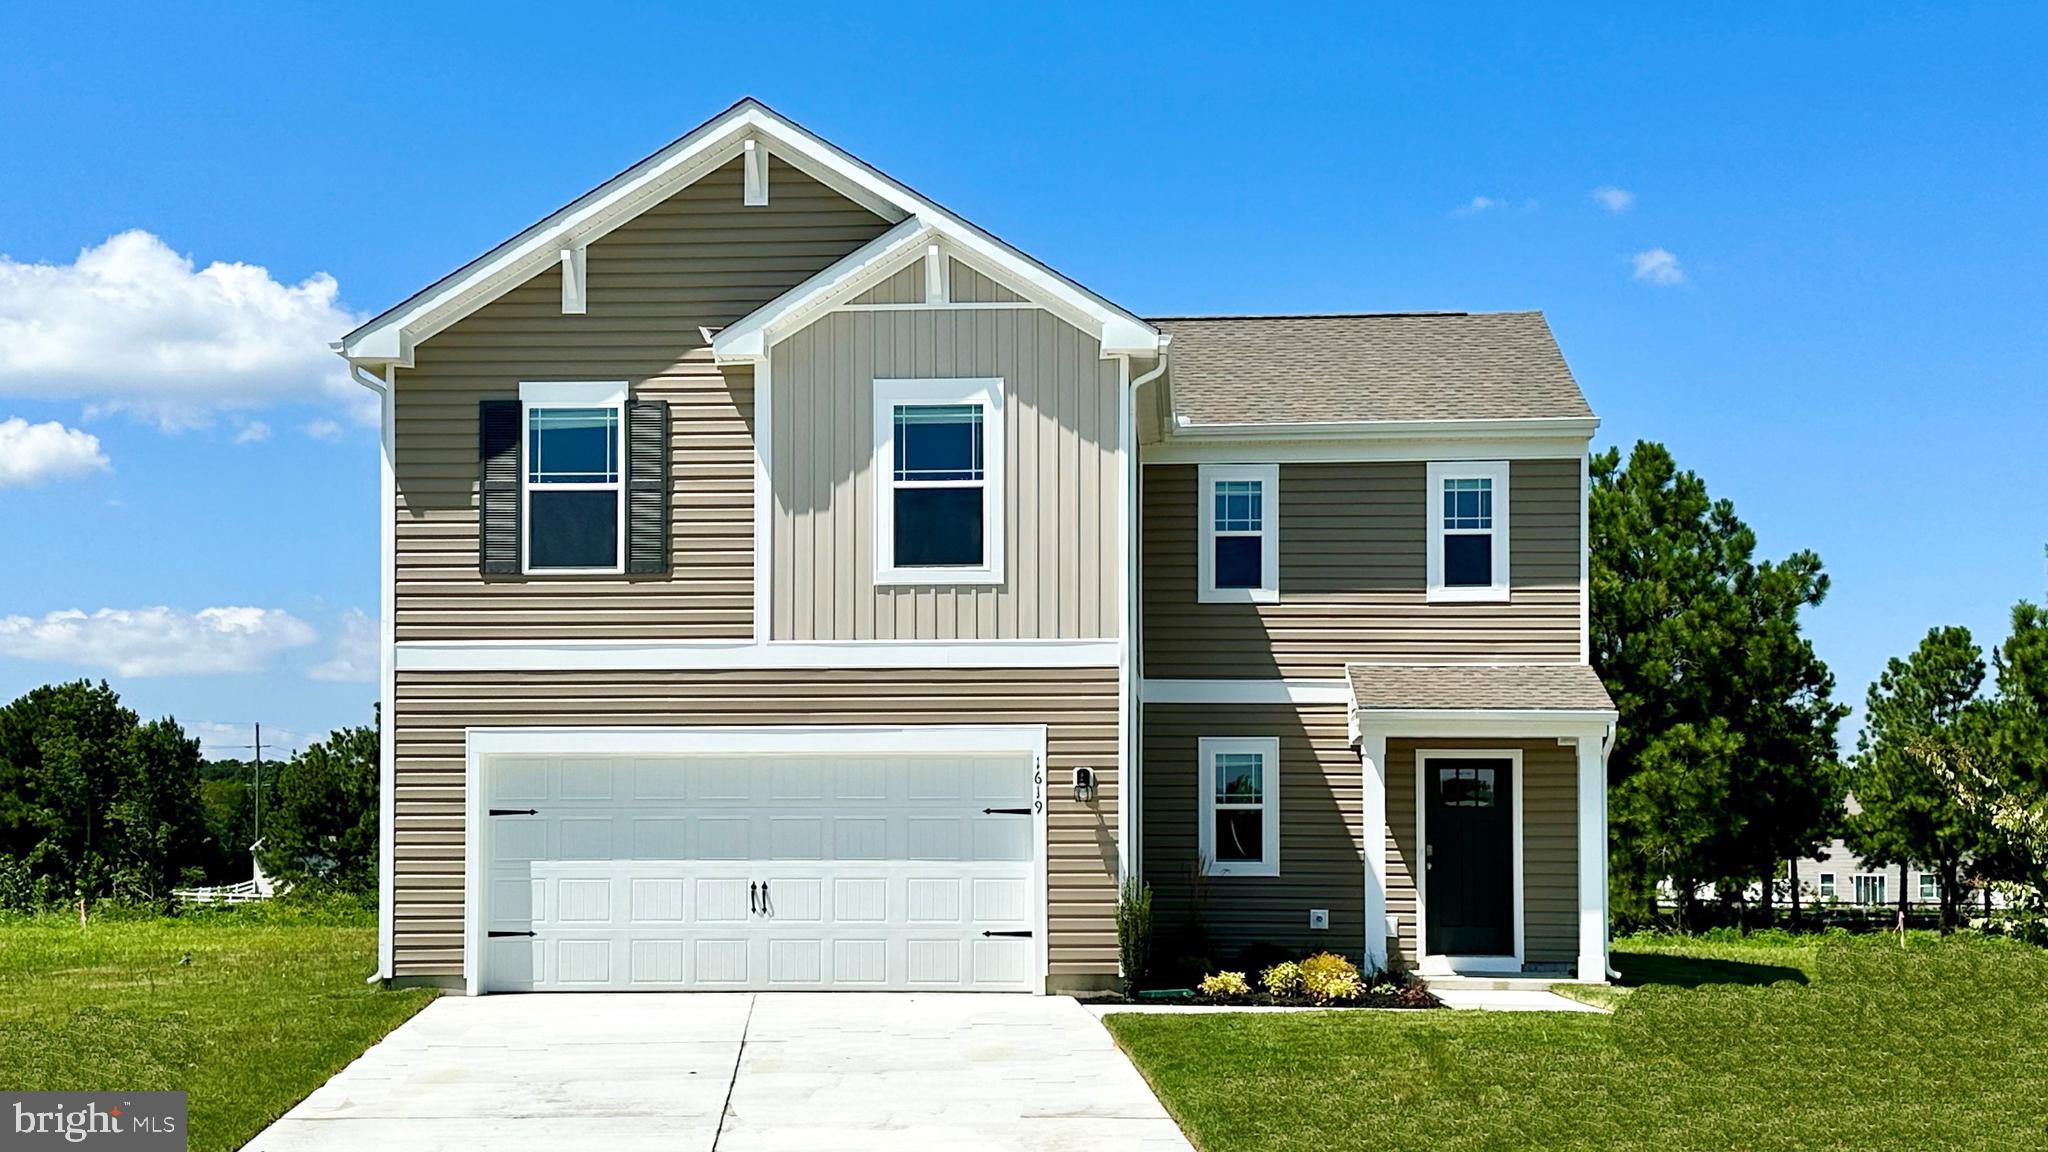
pixel 1321 838
pixel 1077 706
pixel 699 258
pixel 1060 485
pixel 1353 574
pixel 1550 853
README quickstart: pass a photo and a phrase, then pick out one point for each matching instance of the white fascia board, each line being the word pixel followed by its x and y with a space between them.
pixel 1579 427
pixel 750 337
pixel 1509 723
pixel 713 655
pixel 1364 446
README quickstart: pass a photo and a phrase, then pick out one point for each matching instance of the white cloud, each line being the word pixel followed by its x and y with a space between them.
pixel 323 430
pixel 355 651
pixel 1615 200
pixel 157 641
pixel 253 432
pixel 133 326
pixel 33 453
pixel 1658 267
pixel 1478 204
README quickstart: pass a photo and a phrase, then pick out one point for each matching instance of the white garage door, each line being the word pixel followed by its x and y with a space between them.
pixel 859 872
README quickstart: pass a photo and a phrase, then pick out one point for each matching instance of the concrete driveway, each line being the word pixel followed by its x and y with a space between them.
pixel 735 1071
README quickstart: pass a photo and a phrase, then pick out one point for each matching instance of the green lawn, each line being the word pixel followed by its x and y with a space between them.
pixel 269 1004
pixel 1775 1043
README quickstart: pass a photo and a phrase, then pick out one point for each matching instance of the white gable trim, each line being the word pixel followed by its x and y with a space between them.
pixel 749 339
pixel 391 337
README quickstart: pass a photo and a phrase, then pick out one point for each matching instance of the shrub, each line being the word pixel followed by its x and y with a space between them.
pixel 1282 979
pixel 1134 931
pixel 1225 985
pixel 1328 978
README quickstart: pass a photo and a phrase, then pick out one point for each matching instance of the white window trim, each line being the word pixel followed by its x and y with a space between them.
pixel 542 394
pixel 1873 880
pixel 1268 591
pixel 1438 963
pixel 1438 472
pixel 1267 747
pixel 1825 885
pixel 984 391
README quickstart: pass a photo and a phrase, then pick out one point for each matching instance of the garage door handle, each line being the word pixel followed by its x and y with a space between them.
pixel 494 935
pixel 1006 933
pixel 515 811
pixel 1006 811
pixel 751 906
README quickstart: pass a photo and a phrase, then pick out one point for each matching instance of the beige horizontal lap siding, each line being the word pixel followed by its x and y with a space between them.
pixel 697 259
pixel 1321 847
pixel 1059 477
pixel 1550 853
pixel 1353 576
pixel 1078 707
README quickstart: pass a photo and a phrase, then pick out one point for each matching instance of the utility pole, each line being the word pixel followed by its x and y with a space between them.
pixel 258 833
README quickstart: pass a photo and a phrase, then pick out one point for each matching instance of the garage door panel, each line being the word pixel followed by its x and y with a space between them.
pixel 874 872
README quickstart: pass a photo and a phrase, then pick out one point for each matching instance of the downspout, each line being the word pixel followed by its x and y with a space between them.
pixel 1606 748
pixel 387 671
pixel 1133 624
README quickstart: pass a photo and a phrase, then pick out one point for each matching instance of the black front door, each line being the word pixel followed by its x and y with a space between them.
pixel 1469 856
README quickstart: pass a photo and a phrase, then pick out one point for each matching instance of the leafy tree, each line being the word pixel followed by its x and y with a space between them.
pixel 322 822
pixel 1923 720
pixel 156 817
pixel 1724 762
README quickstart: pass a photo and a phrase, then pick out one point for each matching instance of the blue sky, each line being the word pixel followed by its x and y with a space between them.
pixel 1824 288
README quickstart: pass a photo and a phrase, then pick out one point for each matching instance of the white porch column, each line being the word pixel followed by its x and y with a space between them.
pixel 1372 755
pixel 1592 857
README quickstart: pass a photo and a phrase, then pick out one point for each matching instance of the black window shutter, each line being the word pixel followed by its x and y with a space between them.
pixel 647 542
pixel 497 450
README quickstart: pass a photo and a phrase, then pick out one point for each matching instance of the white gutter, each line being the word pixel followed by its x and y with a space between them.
pixel 387 664
pixel 1540 426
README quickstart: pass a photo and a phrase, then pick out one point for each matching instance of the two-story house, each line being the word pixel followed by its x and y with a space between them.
pixel 789 584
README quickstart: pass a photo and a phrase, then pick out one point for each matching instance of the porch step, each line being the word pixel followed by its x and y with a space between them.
pixel 1528 982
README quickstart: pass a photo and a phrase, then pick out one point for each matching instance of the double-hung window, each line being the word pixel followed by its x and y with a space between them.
pixel 1468 531
pixel 1930 888
pixel 572 476
pixel 1827 885
pixel 1240 533
pixel 939 472
pixel 1240 805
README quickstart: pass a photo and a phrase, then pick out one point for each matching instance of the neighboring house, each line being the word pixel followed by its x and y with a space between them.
pixel 790 584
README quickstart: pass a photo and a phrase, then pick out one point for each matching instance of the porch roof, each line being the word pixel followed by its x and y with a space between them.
pixel 1564 688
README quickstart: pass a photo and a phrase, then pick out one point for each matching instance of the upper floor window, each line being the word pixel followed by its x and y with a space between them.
pixel 1240 544
pixel 938 465
pixel 1468 531
pixel 1240 805
pixel 572 477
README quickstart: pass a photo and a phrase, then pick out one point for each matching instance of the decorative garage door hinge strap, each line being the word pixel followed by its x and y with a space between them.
pixel 494 934
pixel 515 811
pixel 1006 933
pixel 1006 811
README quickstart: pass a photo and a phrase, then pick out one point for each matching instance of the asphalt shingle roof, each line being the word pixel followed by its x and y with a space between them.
pixel 1415 366
pixel 1546 687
